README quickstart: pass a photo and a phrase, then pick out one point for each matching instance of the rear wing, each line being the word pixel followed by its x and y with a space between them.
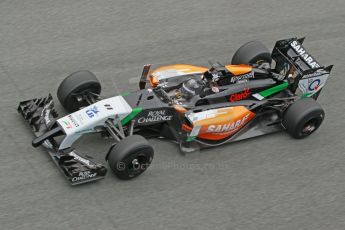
pixel 304 73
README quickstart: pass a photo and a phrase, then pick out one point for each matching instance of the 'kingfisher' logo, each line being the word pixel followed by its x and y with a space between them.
pixel 92 111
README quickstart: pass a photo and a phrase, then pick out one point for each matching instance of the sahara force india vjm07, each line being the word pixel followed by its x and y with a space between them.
pixel 260 92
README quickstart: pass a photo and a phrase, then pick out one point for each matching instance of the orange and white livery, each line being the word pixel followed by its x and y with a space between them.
pixel 218 124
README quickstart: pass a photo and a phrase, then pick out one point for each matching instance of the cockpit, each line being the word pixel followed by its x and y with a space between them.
pixel 206 86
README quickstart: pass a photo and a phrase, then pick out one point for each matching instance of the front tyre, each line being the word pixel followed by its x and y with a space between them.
pixel 303 118
pixel 130 157
pixel 77 84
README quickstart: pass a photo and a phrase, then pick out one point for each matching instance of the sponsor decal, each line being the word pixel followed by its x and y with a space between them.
pixel 317 73
pixel 306 57
pixel 240 96
pixel 67 124
pixel 258 96
pixel 46 116
pixel 154 116
pixel 45 112
pixel 314 85
pixel 92 111
pixel 79 158
pixel 83 176
pixel 74 122
pixel 108 106
pixel 227 127
pixel 311 85
pixel 242 77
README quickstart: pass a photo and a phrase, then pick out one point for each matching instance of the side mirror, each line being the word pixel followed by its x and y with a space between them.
pixel 143 78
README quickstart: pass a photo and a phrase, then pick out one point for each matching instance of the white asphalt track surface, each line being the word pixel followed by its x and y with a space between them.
pixel 271 182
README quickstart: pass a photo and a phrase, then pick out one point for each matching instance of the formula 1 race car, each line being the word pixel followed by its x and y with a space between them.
pixel 260 92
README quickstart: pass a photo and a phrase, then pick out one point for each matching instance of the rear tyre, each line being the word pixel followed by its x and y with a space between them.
pixel 303 118
pixel 130 157
pixel 78 83
pixel 253 52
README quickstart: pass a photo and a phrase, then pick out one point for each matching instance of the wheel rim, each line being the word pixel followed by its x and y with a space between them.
pixel 263 64
pixel 260 61
pixel 138 164
pixel 310 126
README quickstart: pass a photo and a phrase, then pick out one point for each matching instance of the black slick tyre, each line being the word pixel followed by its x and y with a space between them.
pixel 77 83
pixel 130 157
pixel 303 118
pixel 253 52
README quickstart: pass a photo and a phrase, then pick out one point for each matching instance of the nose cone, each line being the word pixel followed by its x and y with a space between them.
pixel 87 119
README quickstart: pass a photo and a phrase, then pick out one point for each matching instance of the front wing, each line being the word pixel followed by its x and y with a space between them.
pixel 77 167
